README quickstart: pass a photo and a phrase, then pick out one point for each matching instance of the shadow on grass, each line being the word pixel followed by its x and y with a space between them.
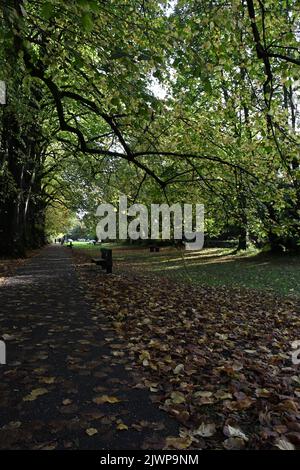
pixel 213 266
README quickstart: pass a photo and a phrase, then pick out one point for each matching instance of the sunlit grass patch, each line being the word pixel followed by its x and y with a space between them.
pixel 211 266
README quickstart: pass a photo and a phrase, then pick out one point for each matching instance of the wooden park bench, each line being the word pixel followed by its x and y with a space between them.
pixel 154 248
pixel 105 261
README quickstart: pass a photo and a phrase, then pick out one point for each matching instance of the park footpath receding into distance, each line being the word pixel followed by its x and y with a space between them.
pixel 61 388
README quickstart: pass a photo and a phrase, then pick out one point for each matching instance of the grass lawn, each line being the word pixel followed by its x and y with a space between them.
pixel 211 266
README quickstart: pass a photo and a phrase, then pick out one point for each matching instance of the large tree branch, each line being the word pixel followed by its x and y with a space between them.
pixel 186 155
pixel 261 54
pixel 264 52
pixel 284 57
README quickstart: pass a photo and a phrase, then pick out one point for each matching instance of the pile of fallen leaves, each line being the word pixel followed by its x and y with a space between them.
pixel 218 360
pixel 9 265
pixel 7 268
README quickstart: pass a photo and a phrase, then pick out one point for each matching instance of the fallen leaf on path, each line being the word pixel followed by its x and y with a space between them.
pixel 177 397
pixel 234 443
pixel 122 427
pixel 67 401
pixel 283 444
pixel 205 430
pixel 34 394
pixel 91 431
pixel 231 431
pixel 105 399
pixel 178 442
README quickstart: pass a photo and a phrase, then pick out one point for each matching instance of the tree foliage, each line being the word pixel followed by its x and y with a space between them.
pixel 194 101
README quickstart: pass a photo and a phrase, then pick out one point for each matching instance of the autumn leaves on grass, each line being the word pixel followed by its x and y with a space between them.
pixel 217 361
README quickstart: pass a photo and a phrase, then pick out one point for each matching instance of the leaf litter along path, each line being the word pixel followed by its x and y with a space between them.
pixel 218 360
pixel 64 386
pixel 9 265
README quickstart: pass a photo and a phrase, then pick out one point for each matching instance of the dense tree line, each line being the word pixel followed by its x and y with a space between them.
pixel 191 101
